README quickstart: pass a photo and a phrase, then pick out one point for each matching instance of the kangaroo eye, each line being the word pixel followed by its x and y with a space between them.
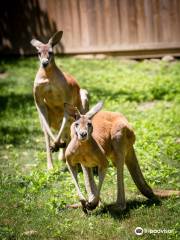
pixel 76 124
pixel 89 124
pixel 39 53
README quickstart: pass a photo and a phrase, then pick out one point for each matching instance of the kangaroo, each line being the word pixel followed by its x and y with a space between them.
pixel 52 88
pixel 95 137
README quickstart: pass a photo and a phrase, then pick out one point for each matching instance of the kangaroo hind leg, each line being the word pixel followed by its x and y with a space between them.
pixel 48 151
pixel 120 159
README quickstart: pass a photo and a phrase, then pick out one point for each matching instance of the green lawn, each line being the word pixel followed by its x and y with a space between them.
pixel 33 201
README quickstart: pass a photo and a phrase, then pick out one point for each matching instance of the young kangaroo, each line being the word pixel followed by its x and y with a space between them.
pixel 95 137
pixel 52 88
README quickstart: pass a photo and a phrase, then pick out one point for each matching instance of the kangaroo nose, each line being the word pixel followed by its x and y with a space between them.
pixel 83 134
pixel 45 62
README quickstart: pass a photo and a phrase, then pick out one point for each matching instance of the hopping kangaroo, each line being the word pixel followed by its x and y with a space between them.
pixel 52 88
pixel 95 137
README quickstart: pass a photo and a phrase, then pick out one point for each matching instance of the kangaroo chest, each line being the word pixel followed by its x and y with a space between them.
pixel 89 155
pixel 51 92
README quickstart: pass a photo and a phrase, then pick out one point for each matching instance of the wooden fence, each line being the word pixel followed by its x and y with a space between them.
pixel 126 27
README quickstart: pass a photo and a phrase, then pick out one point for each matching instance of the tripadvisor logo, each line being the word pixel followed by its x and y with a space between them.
pixel 138 231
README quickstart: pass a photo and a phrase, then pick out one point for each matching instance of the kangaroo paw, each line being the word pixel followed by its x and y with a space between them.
pixel 56 146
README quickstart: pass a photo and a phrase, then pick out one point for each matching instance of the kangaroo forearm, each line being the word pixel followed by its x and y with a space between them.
pixel 64 121
pixel 43 116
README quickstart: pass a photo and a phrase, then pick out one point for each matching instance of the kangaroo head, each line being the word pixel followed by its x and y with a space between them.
pixel 82 126
pixel 45 51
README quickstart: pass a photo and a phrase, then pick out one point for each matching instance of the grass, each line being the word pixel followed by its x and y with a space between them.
pixel 32 200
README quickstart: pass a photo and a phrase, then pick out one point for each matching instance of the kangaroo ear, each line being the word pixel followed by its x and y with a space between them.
pixel 36 43
pixel 55 38
pixel 71 111
pixel 94 110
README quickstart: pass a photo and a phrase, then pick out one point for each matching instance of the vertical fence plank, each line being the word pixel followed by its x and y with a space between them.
pixel 132 22
pixel 140 16
pixel 149 30
pixel 75 28
pixel 124 21
pixel 84 24
pixel 99 23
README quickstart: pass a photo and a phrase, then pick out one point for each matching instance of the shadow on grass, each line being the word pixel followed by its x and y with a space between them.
pixel 17 135
pixel 156 93
pixel 127 95
pixel 15 101
pixel 130 205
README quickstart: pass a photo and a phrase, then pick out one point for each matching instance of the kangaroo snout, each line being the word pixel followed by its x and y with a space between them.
pixel 44 62
pixel 83 135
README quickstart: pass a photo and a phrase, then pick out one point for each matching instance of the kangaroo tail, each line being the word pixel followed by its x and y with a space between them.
pixel 166 193
pixel 137 176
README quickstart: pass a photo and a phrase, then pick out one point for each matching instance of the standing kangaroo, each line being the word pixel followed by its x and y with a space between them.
pixel 95 137
pixel 52 88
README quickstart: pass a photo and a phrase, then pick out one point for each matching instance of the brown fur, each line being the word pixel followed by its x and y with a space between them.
pixel 111 125
pixel 111 137
pixel 52 88
pixel 106 126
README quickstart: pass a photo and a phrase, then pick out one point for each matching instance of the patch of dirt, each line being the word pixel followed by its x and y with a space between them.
pixel 146 106
pixel 178 140
pixel 30 233
pixel 168 58
pixel 3 75
pixel 149 105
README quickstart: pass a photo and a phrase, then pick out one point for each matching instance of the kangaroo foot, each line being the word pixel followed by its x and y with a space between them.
pixel 91 206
